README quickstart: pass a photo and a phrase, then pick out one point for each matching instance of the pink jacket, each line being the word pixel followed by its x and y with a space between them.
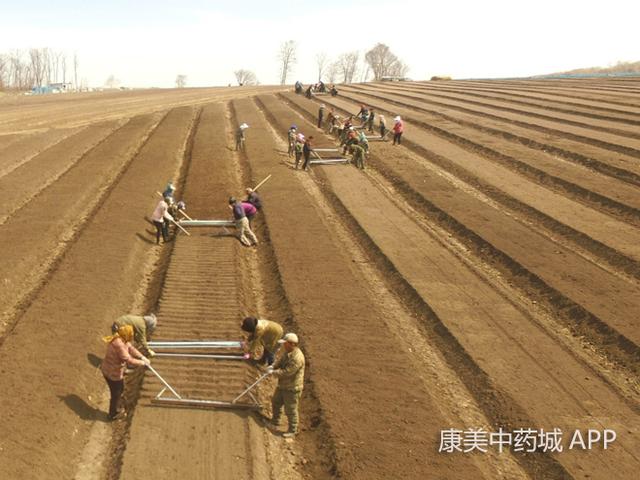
pixel 118 355
pixel 161 212
pixel 398 127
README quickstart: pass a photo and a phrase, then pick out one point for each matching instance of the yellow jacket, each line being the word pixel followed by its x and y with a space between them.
pixel 266 335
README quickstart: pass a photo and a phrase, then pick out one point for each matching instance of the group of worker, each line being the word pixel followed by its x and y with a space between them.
pixel 263 340
pixel 314 88
pixel 243 212
pixel 166 212
pixel 300 147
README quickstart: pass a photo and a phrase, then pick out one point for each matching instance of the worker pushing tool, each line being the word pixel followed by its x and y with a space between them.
pixel 161 218
pixel 120 353
pixel 289 370
pixel 242 223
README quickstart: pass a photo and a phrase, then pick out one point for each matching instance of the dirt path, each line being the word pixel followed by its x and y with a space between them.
pixel 363 429
pixel 550 270
pixel 618 164
pixel 77 109
pixel 204 297
pixel 26 181
pixel 484 322
pixel 547 102
pixel 59 212
pixel 27 147
pixel 571 179
pixel 593 224
pixel 94 283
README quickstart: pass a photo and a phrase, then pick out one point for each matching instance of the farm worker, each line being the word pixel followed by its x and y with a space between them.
pixel 265 334
pixel 253 198
pixel 320 115
pixel 169 190
pixel 372 116
pixel 240 136
pixel 120 353
pixel 289 370
pixel 161 218
pixel 249 210
pixel 142 327
pixel 242 223
pixel 363 114
pixel 398 128
pixel 350 138
pixel 363 141
pixel 291 134
pixel 333 91
pixel 383 126
pixel 299 147
pixel 358 155
pixel 175 208
pixel 306 151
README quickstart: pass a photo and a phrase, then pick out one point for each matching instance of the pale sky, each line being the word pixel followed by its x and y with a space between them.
pixel 147 43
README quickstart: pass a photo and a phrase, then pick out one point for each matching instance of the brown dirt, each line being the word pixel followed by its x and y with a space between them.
pixel 484 274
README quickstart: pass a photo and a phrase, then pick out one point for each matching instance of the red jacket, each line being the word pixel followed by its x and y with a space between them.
pixel 398 127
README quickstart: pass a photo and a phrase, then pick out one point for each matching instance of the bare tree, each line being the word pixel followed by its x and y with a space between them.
pixel 4 70
pixel 348 65
pixel 38 65
pixel 384 63
pixel 332 71
pixel 322 60
pixel 75 70
pixel 399 69
pixel 287 56
pixel 245 77
pixel 181 81
pixel 63 67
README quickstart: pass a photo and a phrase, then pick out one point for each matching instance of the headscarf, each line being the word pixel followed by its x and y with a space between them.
pixel 125 332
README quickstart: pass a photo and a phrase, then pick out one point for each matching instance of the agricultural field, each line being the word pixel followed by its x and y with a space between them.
pixel 483 276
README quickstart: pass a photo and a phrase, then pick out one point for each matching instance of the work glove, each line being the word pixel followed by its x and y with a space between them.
pixel 269 370
pixel 247 356
pixel 151 353
pixel 146 361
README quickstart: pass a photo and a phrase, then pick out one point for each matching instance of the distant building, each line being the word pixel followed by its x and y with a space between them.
pixel 52 88
pixel 61 87
pixel 394 78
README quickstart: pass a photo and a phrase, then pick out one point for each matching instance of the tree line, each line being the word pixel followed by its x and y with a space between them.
pixel 349 67
pixel 37 67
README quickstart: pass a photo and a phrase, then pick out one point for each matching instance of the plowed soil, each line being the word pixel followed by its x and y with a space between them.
pixel 484 274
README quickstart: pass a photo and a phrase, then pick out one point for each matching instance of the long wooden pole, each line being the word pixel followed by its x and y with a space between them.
pixel 261 183
pixel 178 225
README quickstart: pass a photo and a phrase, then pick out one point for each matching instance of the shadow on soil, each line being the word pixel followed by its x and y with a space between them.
pixel 145 238
pixel 94 360
pixel 83 409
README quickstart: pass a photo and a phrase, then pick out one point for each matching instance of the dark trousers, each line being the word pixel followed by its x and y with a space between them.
pixel 307 155
pixel 162 228
pixel 319 121
pixel 268 357
pixel 116 387
pixel 397 137
pixel 298 158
